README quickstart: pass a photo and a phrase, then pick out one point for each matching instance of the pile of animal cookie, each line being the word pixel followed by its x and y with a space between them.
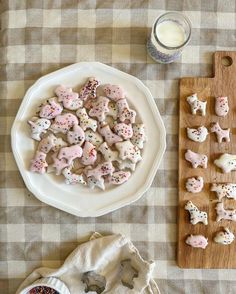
pixel 89 138
pixel 227 162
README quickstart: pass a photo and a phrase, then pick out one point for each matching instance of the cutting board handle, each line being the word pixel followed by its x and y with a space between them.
pixel 224 63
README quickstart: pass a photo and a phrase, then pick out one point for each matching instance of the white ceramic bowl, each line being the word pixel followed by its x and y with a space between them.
pixel 76 199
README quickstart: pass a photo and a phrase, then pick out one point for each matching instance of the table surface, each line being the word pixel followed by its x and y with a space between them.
pixel 38 37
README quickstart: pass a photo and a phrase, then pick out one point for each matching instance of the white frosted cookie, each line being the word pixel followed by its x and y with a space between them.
pixel 197 135
pixel 227 162
pixel 222 213
pixel 196 105
pixel 93 182
pixel 71 179
pixel 38 126
pixel 224 190
pixel 127 164
pixel 85 121
pixel 139 135
pixel 108 153
pixel 196 215
pixel 93 137
pixel 112 110
pixel 224 237
pixel 59 143
pixel 128 151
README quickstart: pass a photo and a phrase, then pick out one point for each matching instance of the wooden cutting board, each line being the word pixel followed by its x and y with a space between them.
pixel 222 84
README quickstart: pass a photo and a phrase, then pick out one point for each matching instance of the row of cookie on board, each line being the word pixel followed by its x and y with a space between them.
pixel 227 162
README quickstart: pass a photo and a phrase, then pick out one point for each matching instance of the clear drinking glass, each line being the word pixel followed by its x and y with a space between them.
pixel 171 32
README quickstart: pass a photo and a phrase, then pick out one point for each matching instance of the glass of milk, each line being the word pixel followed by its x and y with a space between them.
pixel 171 32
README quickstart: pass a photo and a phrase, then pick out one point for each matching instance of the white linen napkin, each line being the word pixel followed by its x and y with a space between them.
pixel 102 257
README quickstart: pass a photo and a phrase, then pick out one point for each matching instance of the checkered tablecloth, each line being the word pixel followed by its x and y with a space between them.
pixel 38 37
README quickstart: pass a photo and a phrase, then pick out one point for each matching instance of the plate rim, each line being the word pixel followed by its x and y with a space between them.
pixel 118 204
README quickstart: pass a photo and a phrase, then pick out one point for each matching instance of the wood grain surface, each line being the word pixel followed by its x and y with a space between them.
pixel 222 84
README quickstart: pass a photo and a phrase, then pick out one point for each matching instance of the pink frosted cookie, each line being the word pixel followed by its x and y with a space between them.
pixel 221 106
pixel 69 99
pixel 76 136
pixel 103 169
pixel 71 179
pixel 225 214
pixel 197 241
pixel 196 159
pixel 51 109
pixel 119 177
pixel 108 153
pixel 139 135
pixel 128 151
pixel 124 112
pixel 194 185
pixel 38 126
pixel 124 130
pixel 93 182
pixel 89 154
pixel 89 89
pixel 39 163
pixel 70 153
pixel 99 108
pixel 110 137
pixel 47 143
pixel 59 164
pixel 221 134
pixel 114 92
pixel 63 123
pixel 85 121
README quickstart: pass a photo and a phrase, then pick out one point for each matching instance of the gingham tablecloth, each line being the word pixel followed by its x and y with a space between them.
pixel 38 37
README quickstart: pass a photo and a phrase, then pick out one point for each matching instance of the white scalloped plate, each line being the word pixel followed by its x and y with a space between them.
pixel 75 199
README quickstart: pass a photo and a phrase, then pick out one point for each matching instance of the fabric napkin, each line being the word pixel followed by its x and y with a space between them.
pixel 102 255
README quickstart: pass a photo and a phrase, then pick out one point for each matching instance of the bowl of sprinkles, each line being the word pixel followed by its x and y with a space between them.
pixel 42 290
pixel 49 285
